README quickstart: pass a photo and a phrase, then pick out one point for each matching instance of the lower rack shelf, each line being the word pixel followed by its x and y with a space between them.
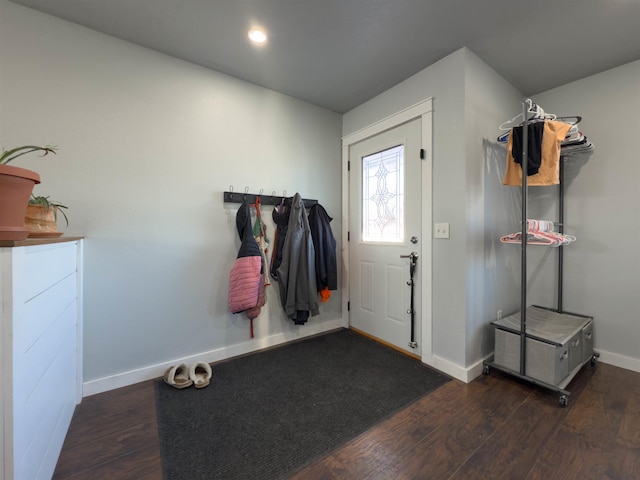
pixel 560 388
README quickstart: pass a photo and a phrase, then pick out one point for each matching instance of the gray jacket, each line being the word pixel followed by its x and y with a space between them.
pixel 297 272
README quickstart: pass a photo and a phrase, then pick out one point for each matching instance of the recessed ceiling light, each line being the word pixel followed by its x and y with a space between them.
pixel 257 36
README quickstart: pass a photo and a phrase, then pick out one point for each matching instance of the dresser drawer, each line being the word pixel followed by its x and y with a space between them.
pixel 41 345
pixel 38 268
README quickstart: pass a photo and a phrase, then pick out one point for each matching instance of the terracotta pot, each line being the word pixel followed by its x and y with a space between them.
pixel 16 185
pixel 41 221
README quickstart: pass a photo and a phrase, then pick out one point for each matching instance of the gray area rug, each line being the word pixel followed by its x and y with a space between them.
pixel 268 414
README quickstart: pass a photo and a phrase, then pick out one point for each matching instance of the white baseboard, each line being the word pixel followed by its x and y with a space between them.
pixel 124 379
pixel 476 369
pixel 609 358
pixel 469 373
pixel 464 374
pixel 618 360
pixel 449 368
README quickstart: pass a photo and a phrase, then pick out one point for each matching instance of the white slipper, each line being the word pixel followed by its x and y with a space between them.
pixel 200 374
pixel 178 376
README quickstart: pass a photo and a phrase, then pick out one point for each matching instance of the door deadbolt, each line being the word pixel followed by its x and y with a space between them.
pixel 414 240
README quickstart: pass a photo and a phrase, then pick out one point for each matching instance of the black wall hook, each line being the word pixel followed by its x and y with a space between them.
pixel 236 197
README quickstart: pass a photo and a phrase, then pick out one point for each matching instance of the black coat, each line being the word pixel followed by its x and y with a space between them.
pixel 280 217
pixel 324 244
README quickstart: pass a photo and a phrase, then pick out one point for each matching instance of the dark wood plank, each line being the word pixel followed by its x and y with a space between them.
pixel 368 453
pixel 110 412
pixel 143 464
pixel 574 457
pixel 96 451
pixel 494 427
pixel 599 438
pixel 444 451
pixel 110 431
pixel 513 449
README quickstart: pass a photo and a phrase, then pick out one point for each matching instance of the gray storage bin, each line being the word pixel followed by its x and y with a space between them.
pixel 575 350
pixel 587 342
pixel 557 343
pixel 545 362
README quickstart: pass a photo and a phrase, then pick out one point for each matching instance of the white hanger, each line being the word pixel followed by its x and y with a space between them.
pixel 530 109
pixel 538 113
pixel 507 125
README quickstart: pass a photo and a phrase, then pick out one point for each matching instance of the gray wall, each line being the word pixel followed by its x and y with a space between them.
pixel 444 81
pixel 469 270
pixel 474 275
pixel 602 268
pixel 147 144
pixel 493 269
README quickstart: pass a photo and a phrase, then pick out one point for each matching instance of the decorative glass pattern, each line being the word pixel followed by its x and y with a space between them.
pixel 383 196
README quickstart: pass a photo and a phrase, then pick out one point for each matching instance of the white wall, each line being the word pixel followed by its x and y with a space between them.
pixel 602 268
pixel 470 101
pixel 147 144
pixel 492 210
pixel 444 81
pixel 474 275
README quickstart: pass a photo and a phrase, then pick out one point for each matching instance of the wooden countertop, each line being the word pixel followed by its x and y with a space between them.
pixel 37 241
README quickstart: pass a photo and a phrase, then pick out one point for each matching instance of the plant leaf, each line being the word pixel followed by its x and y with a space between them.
pixel 9 155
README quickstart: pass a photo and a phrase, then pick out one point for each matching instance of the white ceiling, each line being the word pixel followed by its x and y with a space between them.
pixel 339 53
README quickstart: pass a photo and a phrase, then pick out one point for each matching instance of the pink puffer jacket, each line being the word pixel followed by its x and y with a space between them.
pixel 245 282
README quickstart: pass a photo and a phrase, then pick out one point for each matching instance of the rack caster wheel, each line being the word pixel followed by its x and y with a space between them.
pixel 486 370
pixel 594 359
pixel 564 400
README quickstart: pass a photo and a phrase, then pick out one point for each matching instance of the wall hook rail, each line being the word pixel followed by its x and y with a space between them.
pixel 238 197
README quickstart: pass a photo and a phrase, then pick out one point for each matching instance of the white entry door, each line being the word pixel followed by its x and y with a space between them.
pixel 384 228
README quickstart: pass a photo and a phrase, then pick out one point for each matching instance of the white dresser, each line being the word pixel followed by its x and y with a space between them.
pixel 41 341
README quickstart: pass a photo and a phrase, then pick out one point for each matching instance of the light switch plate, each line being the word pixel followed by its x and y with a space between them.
pixel 441 230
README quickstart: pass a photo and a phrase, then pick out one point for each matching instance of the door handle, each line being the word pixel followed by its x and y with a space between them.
pixel 413 256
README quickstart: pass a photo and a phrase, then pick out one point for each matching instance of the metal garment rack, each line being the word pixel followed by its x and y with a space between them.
pixel 522 374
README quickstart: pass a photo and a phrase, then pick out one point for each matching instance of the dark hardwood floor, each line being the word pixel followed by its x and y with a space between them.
pixel 495 427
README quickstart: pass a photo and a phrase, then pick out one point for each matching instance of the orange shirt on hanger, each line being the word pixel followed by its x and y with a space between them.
pixel 549 173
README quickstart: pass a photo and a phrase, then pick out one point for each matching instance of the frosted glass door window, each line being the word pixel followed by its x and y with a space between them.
pixel 383 196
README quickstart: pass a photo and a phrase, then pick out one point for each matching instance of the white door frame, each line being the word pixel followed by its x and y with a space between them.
pixel 422 110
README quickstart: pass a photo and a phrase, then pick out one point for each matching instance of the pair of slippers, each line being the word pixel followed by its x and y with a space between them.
pixel 183 375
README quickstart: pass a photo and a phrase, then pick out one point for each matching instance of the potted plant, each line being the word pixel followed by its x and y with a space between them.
pixel 16 185
pixel 42 217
